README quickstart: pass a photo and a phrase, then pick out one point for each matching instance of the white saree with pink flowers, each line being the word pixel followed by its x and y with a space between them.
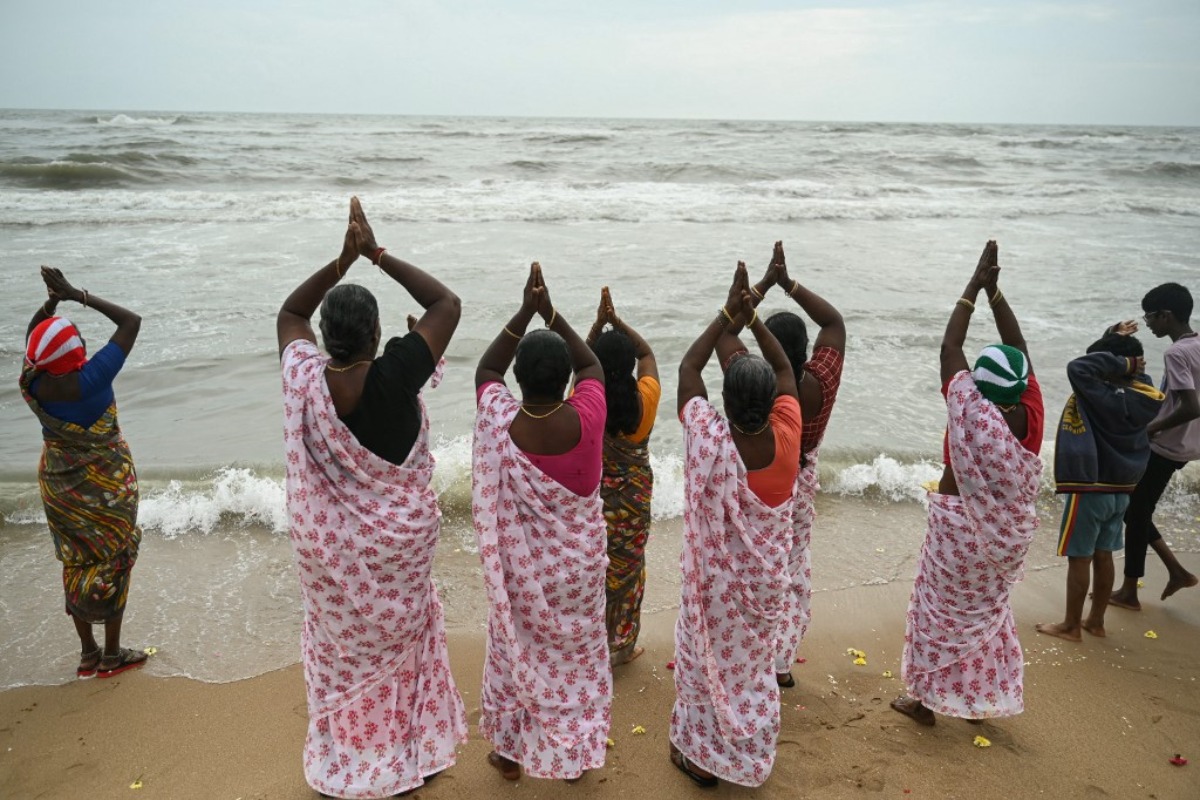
pixel 547 683
pixel 383 708
pixel 962 657
pixel 797 597
pixel 734 564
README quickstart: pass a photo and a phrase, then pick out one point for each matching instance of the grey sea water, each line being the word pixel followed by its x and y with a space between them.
pixel 204 222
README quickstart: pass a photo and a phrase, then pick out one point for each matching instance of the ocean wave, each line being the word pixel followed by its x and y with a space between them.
pixel 569 138
pixel 532 165
pixel 124 120
pixel 1174 170
pixel 66 175
pixel 1037 144
pixel 245 497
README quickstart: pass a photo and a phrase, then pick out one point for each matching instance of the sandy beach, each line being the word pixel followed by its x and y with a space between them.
pixel 1102 719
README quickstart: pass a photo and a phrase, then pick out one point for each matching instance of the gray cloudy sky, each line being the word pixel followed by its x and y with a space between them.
pixel 1133 62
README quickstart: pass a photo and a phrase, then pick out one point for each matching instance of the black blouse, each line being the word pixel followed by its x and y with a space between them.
pixel 388 417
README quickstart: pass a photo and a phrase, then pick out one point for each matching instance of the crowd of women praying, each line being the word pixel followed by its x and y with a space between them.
pixel 561 496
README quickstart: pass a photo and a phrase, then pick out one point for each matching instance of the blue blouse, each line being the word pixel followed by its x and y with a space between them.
pixel 95 388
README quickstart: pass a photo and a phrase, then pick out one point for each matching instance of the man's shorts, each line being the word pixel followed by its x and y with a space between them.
pixel 1092 521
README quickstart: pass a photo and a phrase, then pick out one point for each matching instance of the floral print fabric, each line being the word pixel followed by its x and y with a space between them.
pixel 797 596
pixel 734 564
pixel 384 711
pixel 547 684
pixel 962 657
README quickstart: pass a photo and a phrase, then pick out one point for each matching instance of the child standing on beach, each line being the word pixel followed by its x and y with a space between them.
pixel 1100 454
pixel 1174 440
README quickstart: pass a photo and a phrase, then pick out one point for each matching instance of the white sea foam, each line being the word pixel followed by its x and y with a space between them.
pixel 182 508
pixel 125 120
pixel 889 477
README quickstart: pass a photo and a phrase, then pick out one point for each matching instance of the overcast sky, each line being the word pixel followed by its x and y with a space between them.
pixel 1132 62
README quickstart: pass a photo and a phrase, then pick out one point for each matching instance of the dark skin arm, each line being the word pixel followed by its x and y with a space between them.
pixel 729 345
pixel 499 355
pixel 536 299
pixel 128 323
pixel 832 331
pixel 1187 410
pixel 442 306
pixel 691 368
pixel 294 320
pixel 647 366
pixel 740 302
pixel 953 359
pixel 1006 320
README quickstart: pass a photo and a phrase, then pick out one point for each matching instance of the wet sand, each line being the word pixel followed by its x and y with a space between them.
pixel 1102 719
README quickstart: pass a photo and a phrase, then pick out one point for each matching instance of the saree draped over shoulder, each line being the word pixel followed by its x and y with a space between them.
pixel 797 596
pixel 547 684
pixel 383 708
pixel 962 657
pixel 625 491
pixel 734 564
pixel 90 492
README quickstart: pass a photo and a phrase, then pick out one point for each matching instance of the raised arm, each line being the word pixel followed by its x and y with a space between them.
pixel 498 356
pixel 647 365
pixel 128 323
pixel 691 368
pixel 294 320
pixel 832 331
pixel 442 306
pixel 729 344
pixel 953 359
pixel 583 361
pixel 1006 320
pixel 772 350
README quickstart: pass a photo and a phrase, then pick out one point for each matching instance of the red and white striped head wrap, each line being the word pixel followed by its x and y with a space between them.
pixel 55 346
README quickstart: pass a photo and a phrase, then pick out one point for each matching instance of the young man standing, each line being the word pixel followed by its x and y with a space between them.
pixel 1174 441
pixel 1101 451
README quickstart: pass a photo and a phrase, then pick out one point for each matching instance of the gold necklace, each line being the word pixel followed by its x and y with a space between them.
pixel 347 368
pixel 745 432
pixel 532 415
pixel 1007 409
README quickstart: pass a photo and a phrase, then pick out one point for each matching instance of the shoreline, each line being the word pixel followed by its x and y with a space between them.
pixel 1102 718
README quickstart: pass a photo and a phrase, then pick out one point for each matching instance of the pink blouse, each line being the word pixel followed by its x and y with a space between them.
pixel 578 469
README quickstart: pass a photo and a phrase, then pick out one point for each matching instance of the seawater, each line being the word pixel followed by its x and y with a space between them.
pixel 203 223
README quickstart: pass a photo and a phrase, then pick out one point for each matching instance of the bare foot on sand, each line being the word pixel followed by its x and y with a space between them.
pixel 1095 629
pixel 625 655
pixel 1184 581
pixel 1125 600
pixel 912 707
pixel 1061 630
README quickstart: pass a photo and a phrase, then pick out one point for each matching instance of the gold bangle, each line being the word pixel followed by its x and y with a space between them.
pixel 510 333
pixel 997 299
pixel 795 285
pixel 753 319
pixel 725 314
pixel 754 290
pixel 553 316
pixel 337 266
pixel 85 298
pixel 965 303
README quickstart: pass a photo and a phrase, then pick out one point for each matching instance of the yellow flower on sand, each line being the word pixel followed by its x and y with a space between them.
pixel 638 730
pixel 609 743
pixel 150 651
pixel 1150 635
pixel 860 662
pixel 982 742
pixel 887 673
pixel 136 784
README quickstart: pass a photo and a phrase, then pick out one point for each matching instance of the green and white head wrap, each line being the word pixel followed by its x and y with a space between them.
pixel 1001 373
